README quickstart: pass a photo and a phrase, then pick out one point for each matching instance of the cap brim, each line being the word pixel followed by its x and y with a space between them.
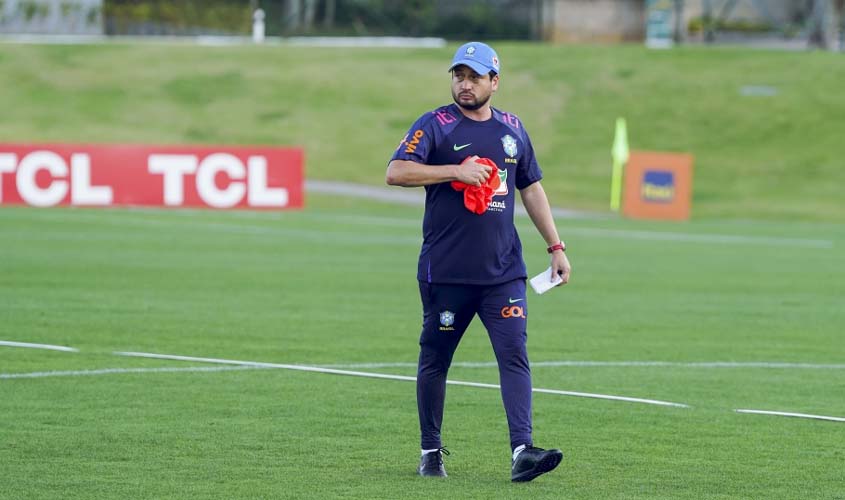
pixel 475 65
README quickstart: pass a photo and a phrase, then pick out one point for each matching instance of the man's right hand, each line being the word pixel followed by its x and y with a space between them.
pixel 472 173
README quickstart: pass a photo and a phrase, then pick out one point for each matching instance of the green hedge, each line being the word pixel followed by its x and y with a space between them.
pixel 698 25
pixel 177 16
pixel 458 19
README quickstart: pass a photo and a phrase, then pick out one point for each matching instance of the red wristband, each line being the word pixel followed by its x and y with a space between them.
pixel 557 246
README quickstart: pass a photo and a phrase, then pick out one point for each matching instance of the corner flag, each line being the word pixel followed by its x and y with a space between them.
pixel 620 158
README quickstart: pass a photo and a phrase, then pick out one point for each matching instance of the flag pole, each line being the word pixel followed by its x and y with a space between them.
pixel 620 158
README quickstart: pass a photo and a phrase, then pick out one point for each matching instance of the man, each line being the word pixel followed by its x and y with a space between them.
pixel 469 263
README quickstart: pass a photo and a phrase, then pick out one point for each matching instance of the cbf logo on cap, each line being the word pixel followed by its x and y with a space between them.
pixel 478 56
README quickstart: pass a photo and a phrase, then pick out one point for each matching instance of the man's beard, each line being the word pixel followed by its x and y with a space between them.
pixel 471 107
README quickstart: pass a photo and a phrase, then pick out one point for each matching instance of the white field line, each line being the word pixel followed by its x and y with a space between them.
pixel 115 371
pixel 671 364
pixel 251 365
pixel 388 376
pixel 492 364
pixel 788 414
pixel 28 345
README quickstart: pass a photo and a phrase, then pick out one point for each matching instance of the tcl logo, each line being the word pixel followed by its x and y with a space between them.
pixel 173 168
pixel 171 176
pixel 76 179
pixel 513 312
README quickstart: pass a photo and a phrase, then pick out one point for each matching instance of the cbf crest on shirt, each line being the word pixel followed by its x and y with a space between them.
pixel 509 144
pixel 459 246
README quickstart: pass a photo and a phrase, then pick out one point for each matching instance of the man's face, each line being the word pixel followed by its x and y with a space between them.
pixel 470 90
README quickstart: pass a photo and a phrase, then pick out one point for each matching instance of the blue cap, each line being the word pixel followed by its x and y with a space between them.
pixel 478 56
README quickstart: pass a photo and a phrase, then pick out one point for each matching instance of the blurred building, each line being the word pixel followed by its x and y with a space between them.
pixel 763 22
pixel 593 20
pixel 54 17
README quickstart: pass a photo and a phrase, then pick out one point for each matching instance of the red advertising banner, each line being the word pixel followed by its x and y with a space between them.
pixel 45 175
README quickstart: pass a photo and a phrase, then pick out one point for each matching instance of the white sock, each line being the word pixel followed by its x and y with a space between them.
pixel 429 451
pixel 517 451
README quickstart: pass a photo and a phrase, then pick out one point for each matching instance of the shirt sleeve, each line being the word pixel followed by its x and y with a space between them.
pixel 419 142
pixel 527 170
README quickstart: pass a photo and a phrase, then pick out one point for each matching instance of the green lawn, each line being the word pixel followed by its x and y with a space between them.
pixel 757 157
pixel 334 285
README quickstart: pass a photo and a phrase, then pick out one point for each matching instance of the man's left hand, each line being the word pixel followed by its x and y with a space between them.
pixel 560 266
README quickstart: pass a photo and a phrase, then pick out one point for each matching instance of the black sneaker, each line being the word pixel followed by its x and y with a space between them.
pixel 532 462
pixel 431 464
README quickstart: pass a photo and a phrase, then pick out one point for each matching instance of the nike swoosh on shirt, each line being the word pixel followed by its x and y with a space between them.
pixel 458 148
pixel 513 301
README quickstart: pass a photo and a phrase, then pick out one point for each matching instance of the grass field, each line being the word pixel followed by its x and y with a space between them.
pixel 334 286
pixel 777 157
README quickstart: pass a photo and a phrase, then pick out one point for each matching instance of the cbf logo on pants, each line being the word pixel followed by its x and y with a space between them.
pixel 447 319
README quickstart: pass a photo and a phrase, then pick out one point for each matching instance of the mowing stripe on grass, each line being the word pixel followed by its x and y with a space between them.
pixel 788 414
pixel 673 364
pixel 389 377
pixel 355 238
pixel 116 371
pixel 700 238
pixel 28 345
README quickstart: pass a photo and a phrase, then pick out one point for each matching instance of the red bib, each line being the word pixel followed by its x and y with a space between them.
pixel 477 198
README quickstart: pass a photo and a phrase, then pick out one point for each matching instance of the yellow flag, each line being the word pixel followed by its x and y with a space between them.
pixel 620 142
pixel 620 158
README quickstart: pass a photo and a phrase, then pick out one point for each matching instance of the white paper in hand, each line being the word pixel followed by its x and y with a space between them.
pixel 541 283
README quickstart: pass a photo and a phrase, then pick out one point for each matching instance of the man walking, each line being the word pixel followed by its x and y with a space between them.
pixel 471 158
